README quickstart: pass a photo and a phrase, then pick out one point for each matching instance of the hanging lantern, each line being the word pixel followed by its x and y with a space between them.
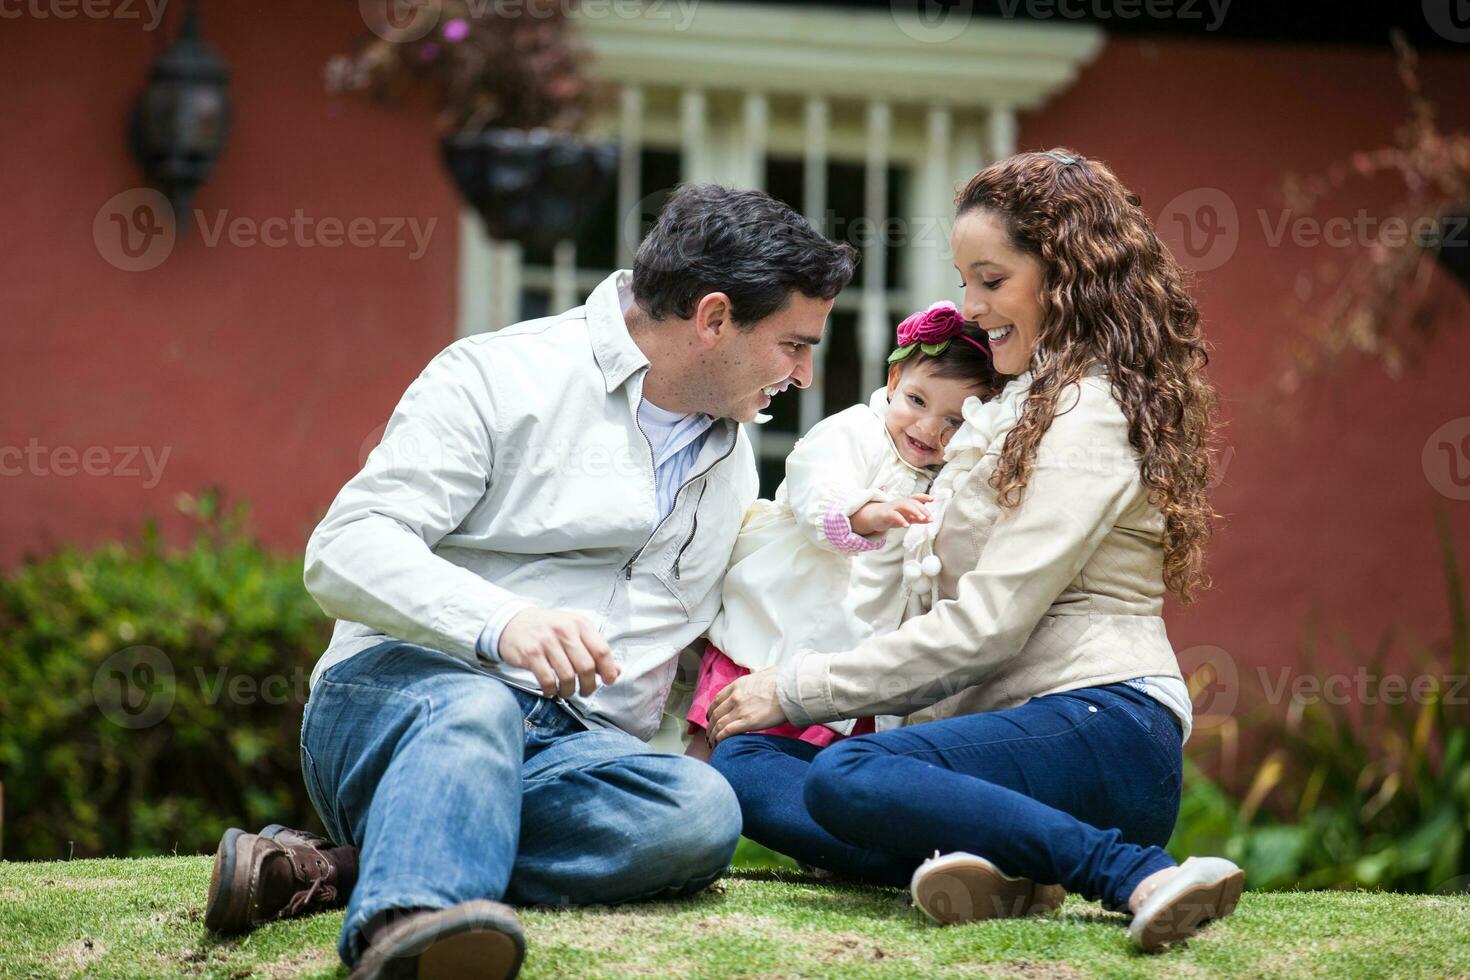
pixel 181 121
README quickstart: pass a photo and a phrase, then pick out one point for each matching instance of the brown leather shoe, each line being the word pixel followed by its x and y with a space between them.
pixel 472 939
pixel 258 879
pixel 282 834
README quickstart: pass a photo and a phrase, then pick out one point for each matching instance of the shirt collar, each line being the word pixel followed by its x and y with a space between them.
pixel 617 355
pixel 658 415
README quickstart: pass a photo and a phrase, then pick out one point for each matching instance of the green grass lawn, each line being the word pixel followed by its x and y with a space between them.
pixel 143 918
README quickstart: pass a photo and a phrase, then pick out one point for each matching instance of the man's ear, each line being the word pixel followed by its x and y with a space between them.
pixel 712 320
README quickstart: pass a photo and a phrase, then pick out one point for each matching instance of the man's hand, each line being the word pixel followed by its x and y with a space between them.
pixel 747 705
pixel 563 649
pixel 878 516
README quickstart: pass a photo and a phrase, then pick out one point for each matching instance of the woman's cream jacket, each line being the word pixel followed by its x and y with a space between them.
pixel 1062 592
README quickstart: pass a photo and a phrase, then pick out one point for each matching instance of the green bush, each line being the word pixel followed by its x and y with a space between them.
pixel 149 697
pixel 1357 795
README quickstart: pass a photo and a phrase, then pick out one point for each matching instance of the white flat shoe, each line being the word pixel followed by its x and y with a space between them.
pixel 961 887
pixel 1202 889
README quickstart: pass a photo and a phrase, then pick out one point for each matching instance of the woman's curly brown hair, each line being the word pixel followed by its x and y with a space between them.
pixel 1111 293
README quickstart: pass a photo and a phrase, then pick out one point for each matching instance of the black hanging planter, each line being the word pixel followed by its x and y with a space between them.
pixel 535 186
pixel 1454 244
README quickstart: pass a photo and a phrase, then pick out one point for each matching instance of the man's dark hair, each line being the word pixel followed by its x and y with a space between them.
pixel 746 244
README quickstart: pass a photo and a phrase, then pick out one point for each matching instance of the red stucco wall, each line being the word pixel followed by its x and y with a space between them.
pixel 259 369
pixel 263 370
pixel 1326 502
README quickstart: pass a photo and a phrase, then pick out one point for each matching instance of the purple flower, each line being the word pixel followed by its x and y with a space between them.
pixel 456 30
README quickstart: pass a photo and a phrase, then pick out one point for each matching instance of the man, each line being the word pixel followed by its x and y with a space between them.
pixel 514 571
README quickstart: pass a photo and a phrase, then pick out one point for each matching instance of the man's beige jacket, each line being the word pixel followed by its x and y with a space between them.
pixel 514 472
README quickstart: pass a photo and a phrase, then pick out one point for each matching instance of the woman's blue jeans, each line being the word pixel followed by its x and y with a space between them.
pixel 456 786
pixel 1079 789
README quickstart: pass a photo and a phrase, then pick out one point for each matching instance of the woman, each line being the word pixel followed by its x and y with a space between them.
pixel 1046 747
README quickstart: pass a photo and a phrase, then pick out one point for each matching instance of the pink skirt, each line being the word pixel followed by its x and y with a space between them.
pixel 717 672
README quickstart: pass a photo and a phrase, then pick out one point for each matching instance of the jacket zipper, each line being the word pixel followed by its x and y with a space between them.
pixel 692 531
pixel 653 480
pixel 628 568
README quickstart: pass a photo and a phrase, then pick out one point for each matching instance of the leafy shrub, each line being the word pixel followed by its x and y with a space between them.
pixel 150 698
pixel 1372 794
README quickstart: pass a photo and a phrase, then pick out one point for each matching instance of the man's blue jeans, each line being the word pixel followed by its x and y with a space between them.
pixel 1079 789
pixel 456 786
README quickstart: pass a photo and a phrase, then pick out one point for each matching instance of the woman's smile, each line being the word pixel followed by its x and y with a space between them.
pixel 1002 288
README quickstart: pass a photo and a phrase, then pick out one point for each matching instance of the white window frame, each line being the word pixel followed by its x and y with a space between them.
pixel 741 81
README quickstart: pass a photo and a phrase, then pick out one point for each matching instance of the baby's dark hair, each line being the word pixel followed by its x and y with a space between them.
pixel 962 361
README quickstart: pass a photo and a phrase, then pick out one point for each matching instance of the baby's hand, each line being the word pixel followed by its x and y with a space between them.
pixel 879 516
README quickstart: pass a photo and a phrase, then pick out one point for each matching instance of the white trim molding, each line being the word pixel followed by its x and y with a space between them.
pixel 852 54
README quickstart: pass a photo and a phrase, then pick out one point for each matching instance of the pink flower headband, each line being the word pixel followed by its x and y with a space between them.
pixel 931 332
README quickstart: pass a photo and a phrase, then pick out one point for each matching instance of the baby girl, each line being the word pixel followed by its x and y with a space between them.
pixel 817 568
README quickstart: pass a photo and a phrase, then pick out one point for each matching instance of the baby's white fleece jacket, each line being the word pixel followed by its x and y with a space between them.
pixel 790 586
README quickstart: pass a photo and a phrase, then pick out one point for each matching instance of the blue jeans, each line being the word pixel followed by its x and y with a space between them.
pixel 1079 789
pixel 456 786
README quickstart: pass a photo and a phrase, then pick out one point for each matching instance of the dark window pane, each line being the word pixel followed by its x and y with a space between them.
pixel 785 411
pixel 660 171
pixel 845 207
pixel 844 386
pixel 772 472
pixel 847 220
pixel 597 239
pixel 897 235
pixel 660 175
pixel 535 303
pixel 784 179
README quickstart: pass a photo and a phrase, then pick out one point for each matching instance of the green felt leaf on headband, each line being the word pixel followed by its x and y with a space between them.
pixel 934 350
pixel 901 353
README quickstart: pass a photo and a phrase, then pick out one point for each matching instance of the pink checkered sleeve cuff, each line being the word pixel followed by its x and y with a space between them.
pixel 838 529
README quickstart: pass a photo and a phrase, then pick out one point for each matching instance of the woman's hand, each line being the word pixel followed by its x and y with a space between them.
pixel 747 705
